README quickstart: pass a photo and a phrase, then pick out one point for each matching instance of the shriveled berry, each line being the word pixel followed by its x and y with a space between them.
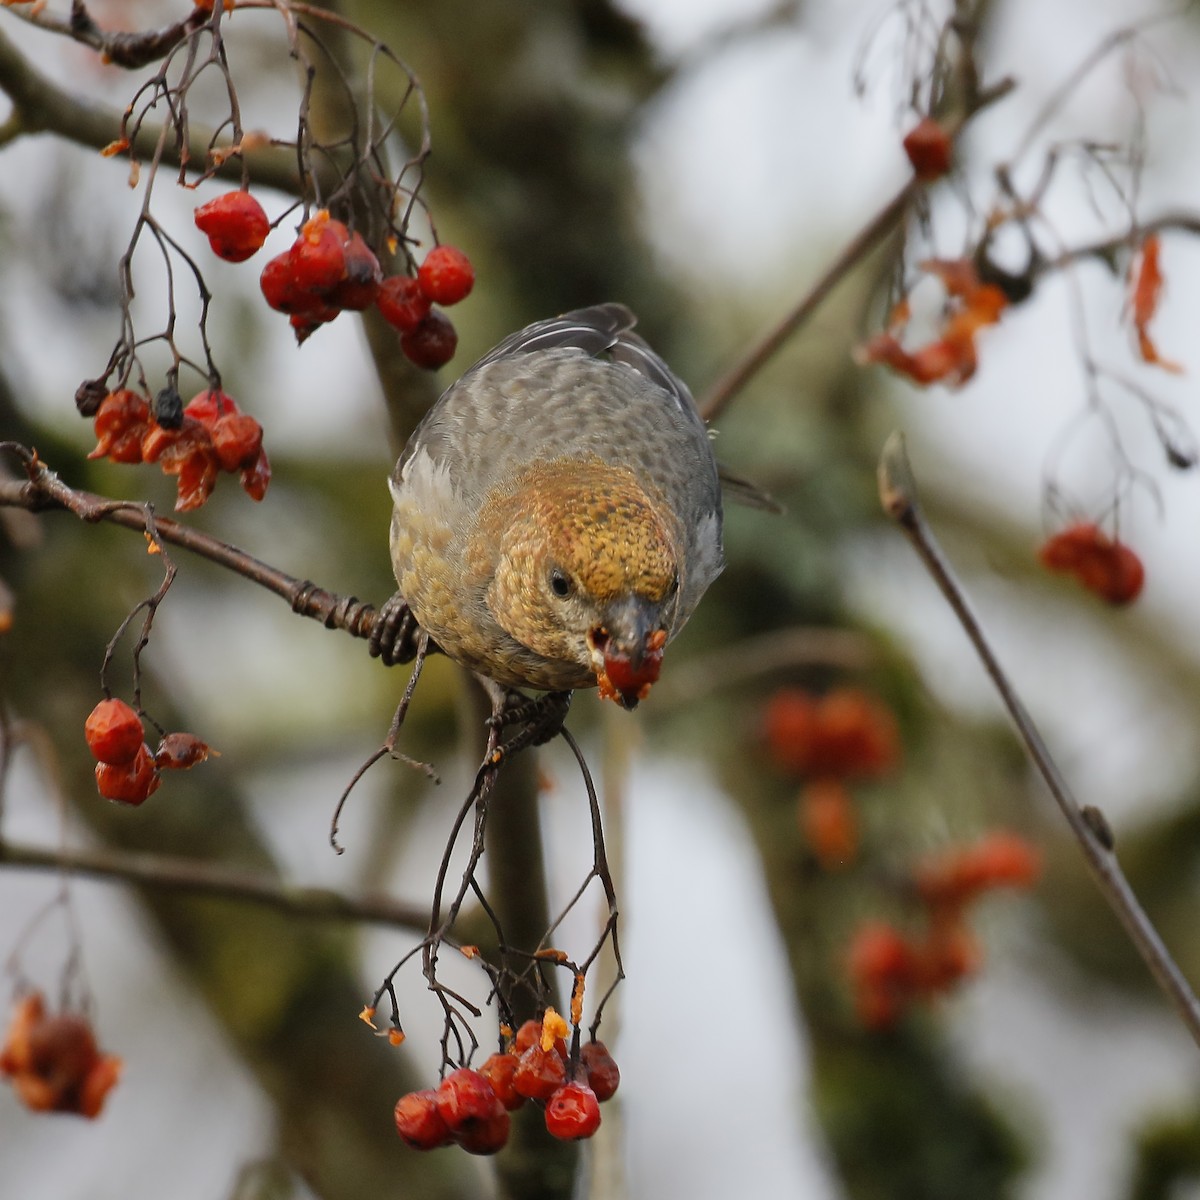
pixel 129 783
pixel 446 276
pixel 498 1071
pixel 237 439
pixel 401 302
pixel 120 424
pixel 573 1112
pixel 196 476
pixel 432 343
pixel 256 478
pixel 236 225
pixel 464 1095
pixel 418 1121
pixel 539 1073
pixel 178 751
pixel 114 732
pixel 603 1075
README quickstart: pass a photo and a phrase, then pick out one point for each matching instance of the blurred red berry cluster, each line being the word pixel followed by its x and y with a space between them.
pixel 470 1108
pixel 53 1061
pixel 829 740
pixel 126 769
pixel 329 269
pixel 950 358
pixel 890 970
pixel 213 435
pixel 1102 564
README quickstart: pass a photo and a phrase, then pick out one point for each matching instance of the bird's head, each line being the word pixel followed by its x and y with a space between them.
pixel 588 572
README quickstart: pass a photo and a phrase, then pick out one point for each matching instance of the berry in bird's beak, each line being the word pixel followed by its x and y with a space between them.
pixel 622 675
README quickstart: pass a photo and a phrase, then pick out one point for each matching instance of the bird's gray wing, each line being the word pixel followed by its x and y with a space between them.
pixel 600 331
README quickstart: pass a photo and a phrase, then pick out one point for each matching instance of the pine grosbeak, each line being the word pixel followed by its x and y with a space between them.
pixel 558 511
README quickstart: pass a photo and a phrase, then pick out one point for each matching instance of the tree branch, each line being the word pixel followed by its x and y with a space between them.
pixel 174 874
pixel 44 490
pixel 898 495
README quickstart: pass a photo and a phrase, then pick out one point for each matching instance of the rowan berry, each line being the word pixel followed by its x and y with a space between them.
pixel 573 1112
pixel 114 732
pixel 431 344
pixel 419 1122
pixel 236 225
pixel 446 276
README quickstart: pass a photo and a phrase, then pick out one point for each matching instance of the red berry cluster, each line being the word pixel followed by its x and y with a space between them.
pixel 470 1108
pixel 329 269
pixel 829 740
pixel 1102 564
pixel 889 970
pixel 54 1063
pixel 126 769
pixel 213 436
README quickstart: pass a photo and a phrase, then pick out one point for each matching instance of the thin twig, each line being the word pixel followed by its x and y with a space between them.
pixel 169 873
pixel 898 495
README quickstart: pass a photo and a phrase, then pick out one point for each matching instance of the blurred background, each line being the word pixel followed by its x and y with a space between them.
pixel 702 162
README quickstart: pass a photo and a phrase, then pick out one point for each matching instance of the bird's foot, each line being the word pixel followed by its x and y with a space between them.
pixel 537 719
pixel 394 635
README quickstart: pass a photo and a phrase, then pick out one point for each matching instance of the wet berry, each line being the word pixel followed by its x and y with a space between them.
pixel 236 225
pixel 432 343
pixel 446 276
pixel 572 1112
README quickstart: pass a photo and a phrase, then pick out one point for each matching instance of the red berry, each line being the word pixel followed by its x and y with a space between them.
pixel 573 1112
pixel 539 1073
pixel 929 149
pixel 318 256
pixel 178 751
pixel 446 276
pixel 129 783
pixel 120 424
pixel 603 1075
pixel 279 287
pixel 237 439
pixel 114 732
pixel 208 406
pixel 528 1035
pixel 432 343
pixel 464 1095
pixel 402 303
pixel 419 1122
pixel 498 1071
pixel 236 225
pixel 363 274
pixel 488 1136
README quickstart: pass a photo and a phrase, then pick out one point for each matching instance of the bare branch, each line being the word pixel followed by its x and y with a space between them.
pixel 44 490
pixel 173 874
pixel 898 496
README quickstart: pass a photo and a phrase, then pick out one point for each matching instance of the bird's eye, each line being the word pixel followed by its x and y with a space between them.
pixel 560 583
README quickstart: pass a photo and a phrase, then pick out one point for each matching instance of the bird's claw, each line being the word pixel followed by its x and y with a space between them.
pixel 539 719
pixel 393 637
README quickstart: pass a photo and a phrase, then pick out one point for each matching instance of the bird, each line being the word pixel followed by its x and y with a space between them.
pixel 557 513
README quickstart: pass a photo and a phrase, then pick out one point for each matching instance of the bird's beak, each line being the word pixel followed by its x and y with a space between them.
pixel 627 651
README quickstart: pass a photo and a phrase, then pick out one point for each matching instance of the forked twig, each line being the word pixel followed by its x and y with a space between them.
pixel 897 493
